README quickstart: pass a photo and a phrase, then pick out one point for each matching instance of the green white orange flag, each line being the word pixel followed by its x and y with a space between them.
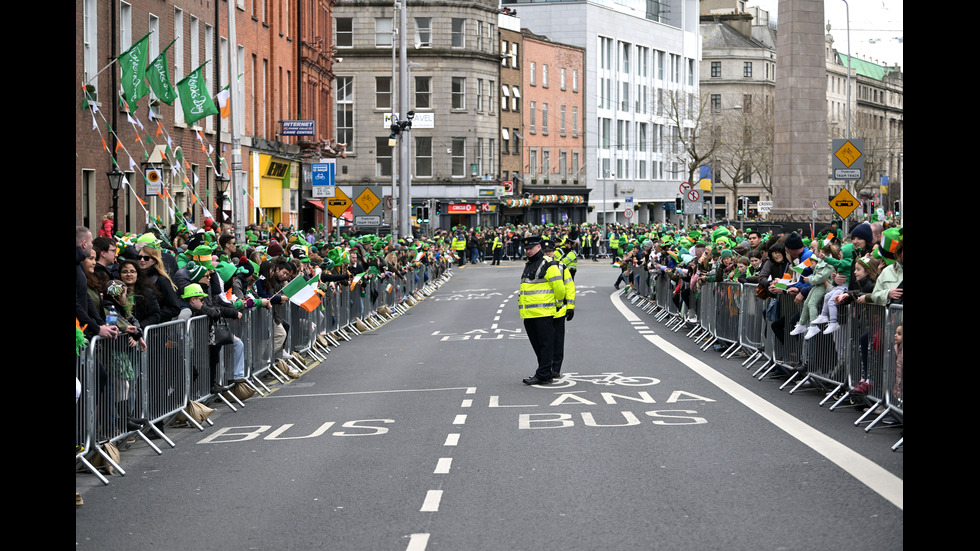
pixel 224 101
pixel 194 97
pixel 132 62
pixel 306 297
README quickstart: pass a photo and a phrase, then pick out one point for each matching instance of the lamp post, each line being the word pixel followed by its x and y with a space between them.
pixel 221 182
pixel 115 181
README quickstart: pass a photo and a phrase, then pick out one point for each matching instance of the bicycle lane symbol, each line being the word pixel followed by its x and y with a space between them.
pixel 604 379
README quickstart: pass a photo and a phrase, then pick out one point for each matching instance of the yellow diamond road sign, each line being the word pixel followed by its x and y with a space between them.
pixel 339 203
pixel 367 200
pixel 848 154
pixel 844 203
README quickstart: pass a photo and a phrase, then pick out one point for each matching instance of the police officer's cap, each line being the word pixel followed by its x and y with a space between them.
pixel 547 245
pixel 532 241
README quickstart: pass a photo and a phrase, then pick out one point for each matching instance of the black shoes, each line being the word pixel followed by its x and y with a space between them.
pixel 536 381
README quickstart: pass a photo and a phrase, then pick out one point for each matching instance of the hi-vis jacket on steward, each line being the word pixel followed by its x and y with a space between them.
pixel 542 289
pixel 569 302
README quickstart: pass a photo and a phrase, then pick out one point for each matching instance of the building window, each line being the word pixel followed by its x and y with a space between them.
pixel 716 103
pixel 383 157
pixel 544 76
pixel 691 71
pixel 505 141
pixel 574 80
pixel 423 91
pixel 490 101
pixel 459 33
pixel 561 129
pixel 479 95
pixel 504 97
pixel 715 69
pixel 533 69
pixel 514 55
pixel 517 144
pixel 382 32
pixel 544 119
pixel 532 113
pixel 574 121
pixel 423 32
pixel 563 78
pixel 459 157
pixel 516 101
pixel 504 59
pixel 345 32
pixel 382 95
pixel 423 156
pixel 344 98
pixel 747 69
pixel 459 93
pixel 546 163
pixel 532 162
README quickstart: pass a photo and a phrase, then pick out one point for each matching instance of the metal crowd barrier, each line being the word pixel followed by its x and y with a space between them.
pixel 128 392
pixel 863 348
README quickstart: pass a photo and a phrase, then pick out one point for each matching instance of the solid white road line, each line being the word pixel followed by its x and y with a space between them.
pixel 864 470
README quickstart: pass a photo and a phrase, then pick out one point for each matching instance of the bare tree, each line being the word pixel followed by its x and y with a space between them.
pixel 692 146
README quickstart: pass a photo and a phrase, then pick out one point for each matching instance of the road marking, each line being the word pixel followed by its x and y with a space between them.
pixel 431 502
pixel 459 420
pixel 471 390
pixel 867 472
pixel 452 439
pixel 442 467
pixel 466 404
pixel 371 392
pixel 417 542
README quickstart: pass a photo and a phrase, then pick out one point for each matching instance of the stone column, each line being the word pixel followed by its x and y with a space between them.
pixel 800 159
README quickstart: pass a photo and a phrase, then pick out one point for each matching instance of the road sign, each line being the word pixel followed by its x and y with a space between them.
pixel 628 213
pixel 764 206
pixel 339 204
pixel 324 178
pixel 844 203
pixel 629 200
pixel 367 200
pixel 847 161
pixel 685 187
pixel 367 220
pixel 693 195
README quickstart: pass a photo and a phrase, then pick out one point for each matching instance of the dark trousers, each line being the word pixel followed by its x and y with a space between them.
pixel 496 255
pixel 559 354
pixel 541 333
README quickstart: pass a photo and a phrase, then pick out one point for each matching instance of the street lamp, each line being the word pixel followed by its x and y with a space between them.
pixel 221 182
pixel 115 182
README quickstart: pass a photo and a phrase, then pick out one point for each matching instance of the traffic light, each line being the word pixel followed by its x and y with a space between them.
pixel 678 205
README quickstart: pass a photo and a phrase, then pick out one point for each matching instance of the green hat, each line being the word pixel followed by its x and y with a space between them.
pixel 193 290
pixel 889 244
pixel 226 270
pixel 196 271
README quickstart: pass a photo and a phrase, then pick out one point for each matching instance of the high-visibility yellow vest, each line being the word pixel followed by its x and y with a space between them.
pixel 541 296
pixel 569 258
pixel 459 244
pixel 569 302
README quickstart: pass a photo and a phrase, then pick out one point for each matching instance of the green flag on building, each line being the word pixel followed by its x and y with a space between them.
pixel 194 97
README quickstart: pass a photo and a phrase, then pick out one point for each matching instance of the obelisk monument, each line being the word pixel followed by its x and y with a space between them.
pixel 801 161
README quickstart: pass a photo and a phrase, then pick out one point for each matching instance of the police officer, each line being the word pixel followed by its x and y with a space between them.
pixel 566 256
pixel 498 249
pixel 566 307
pixel 542 288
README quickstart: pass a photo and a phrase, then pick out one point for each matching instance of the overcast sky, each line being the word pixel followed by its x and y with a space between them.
pixel 876 27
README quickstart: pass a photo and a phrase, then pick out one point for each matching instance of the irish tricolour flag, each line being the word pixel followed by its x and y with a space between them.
pixel 303 293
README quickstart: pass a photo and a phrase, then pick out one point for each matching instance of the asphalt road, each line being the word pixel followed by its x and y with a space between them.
pixel 420 435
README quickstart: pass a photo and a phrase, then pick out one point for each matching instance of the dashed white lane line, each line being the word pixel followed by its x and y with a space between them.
pixel 452 439
pixel 466 404
pixel 867 472
pixel 460 420
pixel 431 502
pixel 471 390
pixel 417 542
pixel 442 467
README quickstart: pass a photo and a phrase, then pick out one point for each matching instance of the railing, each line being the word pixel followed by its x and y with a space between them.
pixel 130 393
